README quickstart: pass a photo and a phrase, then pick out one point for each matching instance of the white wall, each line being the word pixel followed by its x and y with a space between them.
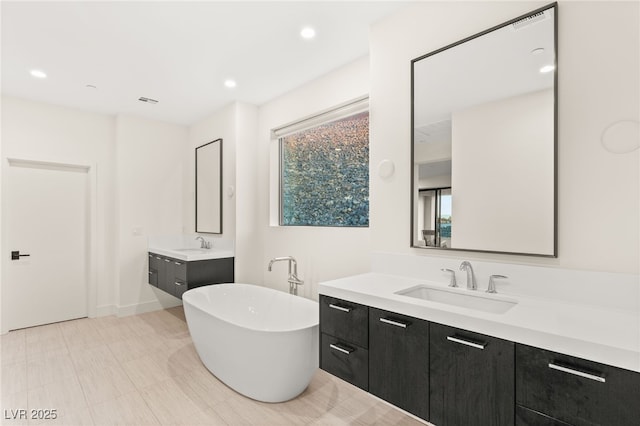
pixel 598 84
pixel 322 253
pixel 249 239
pixel 150 193
pixel 36 131
pixel 236 124
pixel 221 124
pixel 139 190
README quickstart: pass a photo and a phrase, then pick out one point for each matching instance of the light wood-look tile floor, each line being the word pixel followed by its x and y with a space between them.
pixel 144 370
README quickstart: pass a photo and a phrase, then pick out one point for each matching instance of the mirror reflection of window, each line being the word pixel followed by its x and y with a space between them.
pixel 435 216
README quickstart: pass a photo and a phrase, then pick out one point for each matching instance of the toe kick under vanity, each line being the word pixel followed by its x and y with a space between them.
pixel 177 265
pixel 530 362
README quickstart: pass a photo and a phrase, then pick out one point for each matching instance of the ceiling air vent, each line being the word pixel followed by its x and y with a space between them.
pixel 528 20
pixel 147 100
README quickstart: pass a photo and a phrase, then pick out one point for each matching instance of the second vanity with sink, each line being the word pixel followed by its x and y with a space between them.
pixel 455 356
pixel 179 263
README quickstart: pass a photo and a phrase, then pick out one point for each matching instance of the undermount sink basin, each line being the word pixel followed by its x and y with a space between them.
pixel 477 301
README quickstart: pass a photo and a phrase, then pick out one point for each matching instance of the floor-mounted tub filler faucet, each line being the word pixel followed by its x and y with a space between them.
pixel 293 279
pixel 471 278
pixel 204 243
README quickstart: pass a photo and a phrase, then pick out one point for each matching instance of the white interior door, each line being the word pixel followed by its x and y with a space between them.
pixel 47 223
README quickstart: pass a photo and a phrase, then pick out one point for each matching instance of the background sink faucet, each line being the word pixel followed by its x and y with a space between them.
pixel 204 243
pixel 293 279
pixel 471 277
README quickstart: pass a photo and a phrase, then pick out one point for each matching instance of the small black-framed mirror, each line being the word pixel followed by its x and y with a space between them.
pixel 209 188
pixel 484 126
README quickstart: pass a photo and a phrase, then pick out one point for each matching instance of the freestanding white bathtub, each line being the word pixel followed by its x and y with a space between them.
pixel 261 342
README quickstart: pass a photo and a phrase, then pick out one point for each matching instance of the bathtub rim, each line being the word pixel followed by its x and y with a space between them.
pixel 259 330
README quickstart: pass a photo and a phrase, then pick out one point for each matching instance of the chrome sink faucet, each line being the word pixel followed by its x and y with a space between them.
pixel 471 277
pixel 293 279
pixel 204 243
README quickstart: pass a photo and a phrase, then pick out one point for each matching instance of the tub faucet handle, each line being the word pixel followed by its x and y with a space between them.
pixel 293 279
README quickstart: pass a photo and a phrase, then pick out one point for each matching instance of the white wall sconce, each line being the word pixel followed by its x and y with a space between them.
pixel 386 168
pixel 621 137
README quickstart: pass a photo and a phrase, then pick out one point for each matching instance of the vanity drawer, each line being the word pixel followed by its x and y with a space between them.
pixel 345 360
pixel 345 320
pixel 575 390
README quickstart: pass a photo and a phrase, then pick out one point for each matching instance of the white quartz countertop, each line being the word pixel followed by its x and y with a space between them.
pixel 188 247
pixel 607 336
pixel 192 254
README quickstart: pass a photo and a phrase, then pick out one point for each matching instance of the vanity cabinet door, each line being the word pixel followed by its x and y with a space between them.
pixel 180 269
pixel 153 270
pixel 471 378
pixel 166 275
pixel 575 390
pixel 399 360
pixel 179 287
pixel 345 320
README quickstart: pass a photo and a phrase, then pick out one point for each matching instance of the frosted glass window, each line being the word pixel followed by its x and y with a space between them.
pixel 324 174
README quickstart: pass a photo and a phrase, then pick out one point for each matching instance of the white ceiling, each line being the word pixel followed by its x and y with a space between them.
pixel 179 53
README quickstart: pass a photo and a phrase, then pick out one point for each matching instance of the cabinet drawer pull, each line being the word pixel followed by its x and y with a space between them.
pixel 178 283
pixel 167 260
pixel 576 372
pixel 396 323
pixel 150 255
pixel 178 263
pixel 340 308
pixel 158 257
pixel 341 349
pixel 466 342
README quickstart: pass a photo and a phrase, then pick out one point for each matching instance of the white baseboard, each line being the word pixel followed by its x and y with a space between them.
pixel 105 310
pixel 141 308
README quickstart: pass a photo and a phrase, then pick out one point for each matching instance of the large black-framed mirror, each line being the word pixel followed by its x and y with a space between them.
pixel 484 126
pixel 209 187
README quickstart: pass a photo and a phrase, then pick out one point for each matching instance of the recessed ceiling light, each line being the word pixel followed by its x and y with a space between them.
pixel 230 83
pixel 547 68
pixel 308 33
pixel 38 74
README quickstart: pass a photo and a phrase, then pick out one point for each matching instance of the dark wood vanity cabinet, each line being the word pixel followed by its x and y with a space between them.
pixel 344 340
pixel 399 360
pixel 471 378
pixel 176 276
pixel 451 376
pixel 569 390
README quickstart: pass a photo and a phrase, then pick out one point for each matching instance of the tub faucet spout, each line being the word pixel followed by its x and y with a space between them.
pixel 293 279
